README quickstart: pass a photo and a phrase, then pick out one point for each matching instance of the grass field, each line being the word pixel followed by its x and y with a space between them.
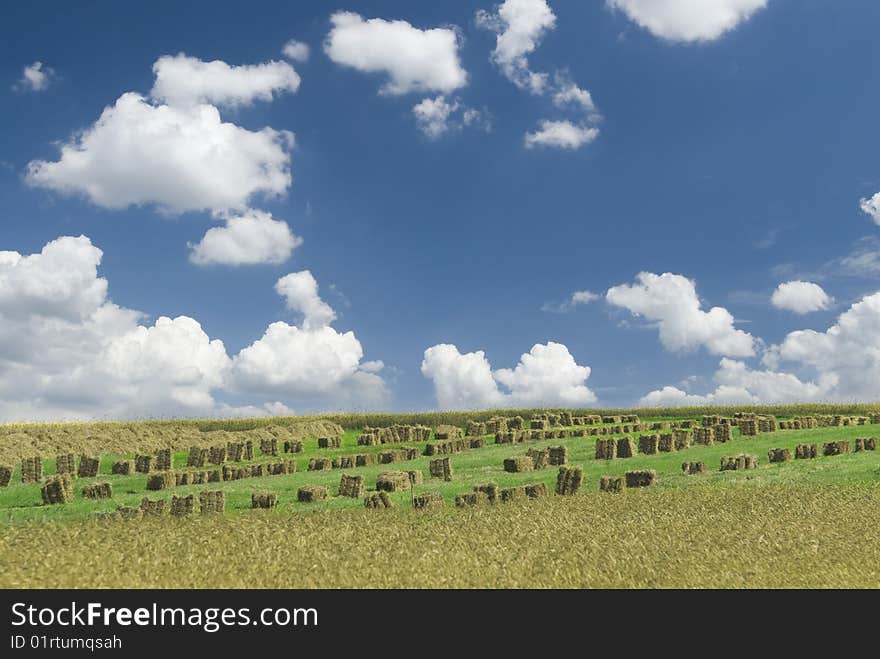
pixel 800 523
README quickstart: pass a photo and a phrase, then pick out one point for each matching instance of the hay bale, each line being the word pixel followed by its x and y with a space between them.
pixel 470 499
pixel 269 445
pixel 693 468
pixel 611 484
pixel 65 463
pixel 181 506
pixel 806 451
pixel 540 457
pixel 197 457
pixel 368 439
pixel 666 443
pixel 5 475
pixel 264 500
pixel 365 459
pixel 311 493
pixel 161 481
pixel 151 507
pixel 57 489
pixel 490 490
pixel 235 451
pixel 32 469
pixel 122 467
pixel 181 478
pixel 779 454
pixel 416 477
pixel 508 494
pixel 738 462
pixel 865 444
pixel 392 481
pixel 569 480
pixel 428 500
pixel 445 431
pixel 212 501
pixel 88 466
pixel 626 447
pixel 606 449
pixel 640 478
pixel 476 442
pixel 557 455
pixel 681 438
pixel 748 427
pixel 723 433
pixel 441 468
pixel 536 490
pixel 518 423
pixel 539 424
pixel 329 442
pixel 649 444
pixel 320 464
pixel 704 436
pixel 351 486
pixel 475 429
pixel 518 464
pixel 836 448
pixel 143 464
pixel 99 490
pixel 217 455
pixel 344 462
pixel 249 450
pixel 293 446
pixel 378 500
pixel 163 459
pixel 214 476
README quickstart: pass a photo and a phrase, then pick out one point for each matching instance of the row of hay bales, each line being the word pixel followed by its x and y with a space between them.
pixel 536 459
pixel 404 454
pixel 167 479
pixel 826 421
pixel 58 489
pixel 630 480
pixel 395 434
pixel 490 493
pixel 206 502
pixel 829 449
pixel 454 445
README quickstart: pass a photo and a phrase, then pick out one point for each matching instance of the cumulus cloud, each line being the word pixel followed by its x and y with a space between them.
pixel 801 297
pixel 300 290
pixel 671 301
pixel 688 20
pixel 296 51
pixel 568 94
pixel 546 375
pixel 68 352
pixel 560 134
pixel 871 207
pixel 414 60
pixel 519 25
pixel 251 238
pixel 575 299
pixel 179 159
pixel 35 77
pixel 436 117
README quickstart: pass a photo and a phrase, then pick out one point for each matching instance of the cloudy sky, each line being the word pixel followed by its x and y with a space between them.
pixel 216 208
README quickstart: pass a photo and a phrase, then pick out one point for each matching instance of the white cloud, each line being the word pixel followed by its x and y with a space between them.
pixel 433 115
pixel 561 134
pixel 575 299
pixel 671 301
pixel 178 159
pixel 300 290
pixel 801 297
pixel 688 20
pixel 547 375
pixel 247 239
pixel 414 60
pixel 184 82
pixel 568 94
pixel 519 25
pixel 871 206
pixel 35 77
pixel 296 51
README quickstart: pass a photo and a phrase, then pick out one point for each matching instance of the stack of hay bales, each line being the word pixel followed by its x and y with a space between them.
pixel 5 475
pixel 447 432
pixel 88 466
pixel 630 418
pixel 257 471
pixel 57 489
pixel 610 419
pixel 539 424
pixel 536 490
pixel 508 494
pixel 344 462
pixel 470 499
pixel 264 500
pixel 249 450
pixel 235 451
pixel 161 481
pixel 377 500
pixel 368 439
pixel 692 468
pixel 640 478
pixel 163 459
pixel 681 438
pixel 269 446
pixel 518 423
pixel 779 454
pixel 711 420
pixel 500 424
pixel 866 444
pixel 122 467
pixel 99 490
pixel 293 446
pixel 518 464
pixel 704 436
pixel 476 442
pixel 510 437
pixel 569 480
pixel 65 463
pixel 661 425
pixel 311 493
pixel 557 455
pixel 446 446
pixel 540 457
pixel 351 486
pixel 626 447
pixel 836 448
pixel 491 491
pixel 365 459
pixel 687 424
pixel 611 484
pixel 738 462
pixel 181 506
pixel 281 468
pixel 217 455
pixel 212 501
pixel 153 507
pixel 606 449
pixel 649 444
pixel 320 464
pixel 441 468
pixel 197 457
pixel 329 442
pixel 767 423
pixel 665 443
pixel 565 419
pixel 748 427
pixel 143 464
pixel 428 500
pixel 127 513
pixel 399 455
pixel 723 433
pixel 806 451
pixel 475 429
pixel 392 481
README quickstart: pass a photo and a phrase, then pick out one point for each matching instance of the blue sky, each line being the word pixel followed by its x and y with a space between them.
pixel 733 155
